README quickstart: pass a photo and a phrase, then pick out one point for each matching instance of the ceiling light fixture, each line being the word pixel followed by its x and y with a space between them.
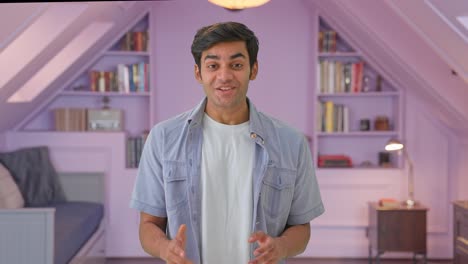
pixel 238 4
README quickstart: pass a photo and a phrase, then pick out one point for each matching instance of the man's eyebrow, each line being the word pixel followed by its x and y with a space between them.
pixel 213 57
pixel 237 55
pixel 216 57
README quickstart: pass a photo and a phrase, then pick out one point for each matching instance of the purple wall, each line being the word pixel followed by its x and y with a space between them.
pixel 283 85
pixel 284 89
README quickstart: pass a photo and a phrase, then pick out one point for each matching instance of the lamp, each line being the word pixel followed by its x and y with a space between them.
pixel 238 4
pixel 396 145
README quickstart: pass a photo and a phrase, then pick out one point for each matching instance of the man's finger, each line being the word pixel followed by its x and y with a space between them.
pixel 181 235
pixel 257 236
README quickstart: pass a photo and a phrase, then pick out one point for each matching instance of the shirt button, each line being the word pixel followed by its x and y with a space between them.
pixel 253 135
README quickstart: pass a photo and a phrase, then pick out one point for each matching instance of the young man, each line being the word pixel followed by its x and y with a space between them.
pixel 224 183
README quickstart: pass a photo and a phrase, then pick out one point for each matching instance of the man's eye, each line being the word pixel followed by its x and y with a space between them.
pixel 211 66
pixel 237 66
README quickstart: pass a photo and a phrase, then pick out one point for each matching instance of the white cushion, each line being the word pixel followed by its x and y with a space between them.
pixel 10 196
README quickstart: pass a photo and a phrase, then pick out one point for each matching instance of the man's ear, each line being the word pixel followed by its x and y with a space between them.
pixel 254 71
pixel 197 74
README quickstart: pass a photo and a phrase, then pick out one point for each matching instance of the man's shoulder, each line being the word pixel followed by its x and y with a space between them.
pixel 273 124
pixel 174 122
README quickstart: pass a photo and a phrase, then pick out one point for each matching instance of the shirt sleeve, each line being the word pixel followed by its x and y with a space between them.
pixel 148 190
pixel 307 201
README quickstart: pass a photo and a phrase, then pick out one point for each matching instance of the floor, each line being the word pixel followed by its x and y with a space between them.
pixel 291 261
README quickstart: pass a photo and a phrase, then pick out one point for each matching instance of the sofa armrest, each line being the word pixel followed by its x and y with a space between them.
pixel 27 235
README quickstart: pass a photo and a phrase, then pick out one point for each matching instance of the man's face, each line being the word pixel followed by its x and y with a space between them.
pixel 225 74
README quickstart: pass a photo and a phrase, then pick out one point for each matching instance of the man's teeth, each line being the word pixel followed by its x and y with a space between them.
pixel 225 89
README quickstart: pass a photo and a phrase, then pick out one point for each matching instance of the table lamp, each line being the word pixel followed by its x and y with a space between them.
pixel 396 145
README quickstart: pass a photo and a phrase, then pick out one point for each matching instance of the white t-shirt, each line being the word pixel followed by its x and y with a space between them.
pixel 226 182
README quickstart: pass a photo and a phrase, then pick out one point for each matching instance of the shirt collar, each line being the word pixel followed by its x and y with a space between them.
pixel 256 127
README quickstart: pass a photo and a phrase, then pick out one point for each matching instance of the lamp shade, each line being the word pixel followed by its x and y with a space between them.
pixel 394 145
pixel 238 4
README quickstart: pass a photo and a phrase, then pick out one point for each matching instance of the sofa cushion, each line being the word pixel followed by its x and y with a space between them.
pixel 10 196
pixel 75 223
pixel 37 179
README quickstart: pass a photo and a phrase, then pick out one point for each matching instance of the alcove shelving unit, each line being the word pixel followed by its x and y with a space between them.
pixel 357 109
pixel 117 79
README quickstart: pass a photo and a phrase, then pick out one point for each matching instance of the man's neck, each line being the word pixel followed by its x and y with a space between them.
pixel 229 117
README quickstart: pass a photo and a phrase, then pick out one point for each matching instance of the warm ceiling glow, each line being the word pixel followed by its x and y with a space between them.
pixel 57 65
pixel 238 4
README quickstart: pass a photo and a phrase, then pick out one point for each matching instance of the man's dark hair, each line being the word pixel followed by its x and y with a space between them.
pixel 208 36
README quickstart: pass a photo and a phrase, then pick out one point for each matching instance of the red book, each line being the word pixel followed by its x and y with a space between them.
pixel 388 202
pixel 137 38
pixel 93 80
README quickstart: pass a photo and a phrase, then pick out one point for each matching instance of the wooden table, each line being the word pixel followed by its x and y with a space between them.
pixel 400 229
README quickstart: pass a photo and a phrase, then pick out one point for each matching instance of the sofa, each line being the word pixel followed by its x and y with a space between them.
pixel 38 222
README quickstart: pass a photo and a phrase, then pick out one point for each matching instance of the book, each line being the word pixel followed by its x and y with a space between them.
pixel 146 77
pixel 329 106
pixel 101 82
pixel 93 80
pixel 334 161
pixel 70 119
pixel 320 41
pixel 319 116
pixel 141 77
pixel 389 203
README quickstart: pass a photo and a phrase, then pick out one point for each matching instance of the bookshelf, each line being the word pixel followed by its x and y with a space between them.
pixel 117 79
pixel 357 109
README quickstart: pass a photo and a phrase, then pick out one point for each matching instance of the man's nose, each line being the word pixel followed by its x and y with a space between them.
pixel 225 74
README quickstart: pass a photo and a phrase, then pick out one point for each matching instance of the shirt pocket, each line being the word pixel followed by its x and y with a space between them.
pixel 277 191
pixel 175 184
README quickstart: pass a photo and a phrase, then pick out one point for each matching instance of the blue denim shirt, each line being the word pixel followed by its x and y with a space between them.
pixel 285 189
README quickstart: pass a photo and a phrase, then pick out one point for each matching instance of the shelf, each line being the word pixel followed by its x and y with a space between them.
pixel 338 170
pixel 349 90
pixel 126 53
pixel 89 93
pixel 339 54
pixel 360 94
pixel 358 134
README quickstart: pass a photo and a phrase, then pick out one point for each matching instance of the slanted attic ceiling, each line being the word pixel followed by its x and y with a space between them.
pixel 408 40
pixel 116 14
pixel 403 54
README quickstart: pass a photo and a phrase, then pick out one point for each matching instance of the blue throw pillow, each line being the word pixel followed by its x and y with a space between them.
pixel 35 175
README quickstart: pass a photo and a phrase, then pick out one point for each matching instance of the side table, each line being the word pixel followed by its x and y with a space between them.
pixel 401 229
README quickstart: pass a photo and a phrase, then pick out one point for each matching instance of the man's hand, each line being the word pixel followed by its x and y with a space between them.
pixel 269 251
pixel 174 252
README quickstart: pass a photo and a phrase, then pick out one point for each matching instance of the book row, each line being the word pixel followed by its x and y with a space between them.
pixel 341 77
pixel 126 79
pixel 134 41
pixel 134 149
pixel 86 119
pixel 332 117
pixel 327 41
